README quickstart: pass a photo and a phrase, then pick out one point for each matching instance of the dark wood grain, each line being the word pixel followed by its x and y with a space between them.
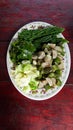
pixel 14 14
pixel 16 111
pixel 23 113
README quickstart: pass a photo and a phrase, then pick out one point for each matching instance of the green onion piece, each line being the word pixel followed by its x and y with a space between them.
pixel 54 68
pixel 58 73
pixel 57 60
pixel 51 75
pixel 47 87
pixel 59 83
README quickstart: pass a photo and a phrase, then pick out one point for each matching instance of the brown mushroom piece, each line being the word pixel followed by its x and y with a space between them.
pixel 53 81
pixel 61 66
pixel 48 58
pixel 60 56
pixel 52 45
pixel 41 55
pixel 48 61
pixel 54 54
pixel 49 81
pixel 45 64
pixel 42 84
pixel 58 48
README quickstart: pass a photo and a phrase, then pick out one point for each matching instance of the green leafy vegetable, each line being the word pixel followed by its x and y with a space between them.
pixel 31 35
pixel 29 41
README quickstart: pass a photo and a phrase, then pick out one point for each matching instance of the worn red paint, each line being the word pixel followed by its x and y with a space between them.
pixel 18 112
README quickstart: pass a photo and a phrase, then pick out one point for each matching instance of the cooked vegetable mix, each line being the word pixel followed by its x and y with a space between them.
pixel 38 57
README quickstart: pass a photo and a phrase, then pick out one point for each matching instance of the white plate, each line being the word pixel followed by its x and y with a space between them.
pixel 67 63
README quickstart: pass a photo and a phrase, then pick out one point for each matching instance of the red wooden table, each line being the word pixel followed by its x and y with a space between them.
pixel 16 111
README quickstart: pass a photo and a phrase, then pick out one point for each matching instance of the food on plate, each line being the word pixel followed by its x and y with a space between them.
pixel 37 57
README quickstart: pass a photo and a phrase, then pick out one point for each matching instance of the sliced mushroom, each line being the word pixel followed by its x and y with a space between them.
pixel 60 56
pixel 45 64
pixel 54 54
pixel 44 82
pixel 41 85
pixel 52 45
pixel 61 66
pixel 49 81
pixel 58 48
pixel 48 58
pixel 53 81
pixel 41 55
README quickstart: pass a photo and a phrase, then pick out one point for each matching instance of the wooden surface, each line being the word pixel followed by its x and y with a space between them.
pixel 16 111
